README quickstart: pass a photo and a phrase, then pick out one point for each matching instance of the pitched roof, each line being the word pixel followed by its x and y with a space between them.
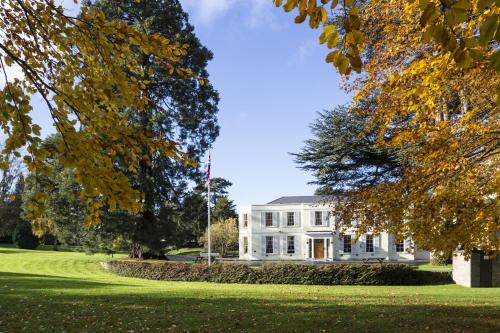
pixel 305 199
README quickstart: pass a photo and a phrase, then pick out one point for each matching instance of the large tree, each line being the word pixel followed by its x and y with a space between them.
pixel 342 157
pixel 432 67
pixel 87 70
pixel 178 108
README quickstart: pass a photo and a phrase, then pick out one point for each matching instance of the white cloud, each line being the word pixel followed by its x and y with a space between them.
pixel 304 51
pixel 261 13
pixel 207 11
pixel 256 13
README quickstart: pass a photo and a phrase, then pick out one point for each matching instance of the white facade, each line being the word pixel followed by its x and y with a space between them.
pixel 303 231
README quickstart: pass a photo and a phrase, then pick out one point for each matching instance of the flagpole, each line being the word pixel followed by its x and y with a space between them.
pixel 208 208
pixel 209 237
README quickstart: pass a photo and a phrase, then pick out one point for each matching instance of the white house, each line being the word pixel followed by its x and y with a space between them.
pixel 302 228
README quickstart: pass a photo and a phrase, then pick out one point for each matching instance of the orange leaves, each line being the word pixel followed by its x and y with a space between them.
pixel 432 68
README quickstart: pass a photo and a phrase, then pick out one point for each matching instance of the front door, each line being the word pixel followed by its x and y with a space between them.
pixel 319 248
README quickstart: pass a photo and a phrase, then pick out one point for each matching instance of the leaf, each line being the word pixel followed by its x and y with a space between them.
pixel 488 29
pixel 331 56
pixel 495 61
pixel 429 15
pixel 483 4
pixel 455 16
pixel 301 17
pixel 327 31
pixel 333 40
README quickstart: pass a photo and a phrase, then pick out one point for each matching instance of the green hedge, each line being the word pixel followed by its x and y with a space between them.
pixel 335 274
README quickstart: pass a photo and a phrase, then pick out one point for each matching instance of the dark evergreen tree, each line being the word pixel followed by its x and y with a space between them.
pixel 179 108
pixel 23 237
pixel 223 209
pixel 342 154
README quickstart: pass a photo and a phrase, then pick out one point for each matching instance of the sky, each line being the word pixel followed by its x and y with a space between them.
pixel 272 79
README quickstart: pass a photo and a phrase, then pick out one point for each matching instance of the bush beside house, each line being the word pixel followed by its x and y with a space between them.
pixel 338 274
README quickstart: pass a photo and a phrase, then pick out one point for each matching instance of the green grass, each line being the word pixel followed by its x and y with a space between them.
pixel 435 268
pixel 195 251
pixel 43 291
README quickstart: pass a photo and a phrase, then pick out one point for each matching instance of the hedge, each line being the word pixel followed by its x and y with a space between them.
pixel 283 273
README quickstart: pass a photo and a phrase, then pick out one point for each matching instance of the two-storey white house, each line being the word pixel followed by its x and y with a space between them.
pixel 302 228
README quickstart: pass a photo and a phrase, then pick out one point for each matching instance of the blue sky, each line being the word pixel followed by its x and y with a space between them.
pixel 272 79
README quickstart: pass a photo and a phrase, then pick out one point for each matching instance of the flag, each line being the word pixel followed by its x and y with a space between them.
pixel 208 167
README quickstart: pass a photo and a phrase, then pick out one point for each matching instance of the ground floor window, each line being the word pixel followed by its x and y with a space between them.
pixel 310 248
pixel 347 244
pixel 245 245
pixel 400 246
pixel 291 244
pixel 327 247
pixel 269 244
pixel 369 243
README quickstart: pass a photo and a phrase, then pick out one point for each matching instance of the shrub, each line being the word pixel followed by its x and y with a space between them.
pixel 335 274
pixel 23 237
pixel 441 259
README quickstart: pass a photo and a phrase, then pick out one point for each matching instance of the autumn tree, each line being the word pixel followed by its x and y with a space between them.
pixel 87 70
pixel 224 236
pixel 178 108
pixel 432 67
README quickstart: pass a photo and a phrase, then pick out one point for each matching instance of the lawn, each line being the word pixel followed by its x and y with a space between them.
pixel 45 291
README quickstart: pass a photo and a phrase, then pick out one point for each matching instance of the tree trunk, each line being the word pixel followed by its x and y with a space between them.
pixel 136 251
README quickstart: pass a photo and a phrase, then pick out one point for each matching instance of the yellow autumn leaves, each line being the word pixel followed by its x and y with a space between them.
pixel 431 69
pixel 453 24
pixel 87 70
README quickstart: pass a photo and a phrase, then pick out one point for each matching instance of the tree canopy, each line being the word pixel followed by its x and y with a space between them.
pixel 87 69
pixel 432 69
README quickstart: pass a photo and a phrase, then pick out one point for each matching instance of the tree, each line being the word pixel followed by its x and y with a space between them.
pixel 218 188
pixel 87 70
pixel 223 209
pixel 11 184
pixel 451 24
pixel 435 83
pixel 178 108
pixel 224 236
pixel 342 157
pixel 23 237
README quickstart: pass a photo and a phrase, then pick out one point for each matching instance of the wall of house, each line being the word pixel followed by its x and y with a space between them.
pixel 305 231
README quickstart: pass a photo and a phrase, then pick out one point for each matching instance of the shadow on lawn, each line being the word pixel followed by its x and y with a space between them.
pixel 26 283
pixel 36 299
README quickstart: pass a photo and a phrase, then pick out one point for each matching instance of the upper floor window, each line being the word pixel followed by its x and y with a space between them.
pixel 269 244
pixel 369 243
pixel 347 244
pixel 245 220
pixel 400 246
pixel 318 218
pixel 269 219
pixel 291 244
pixel 245 245
pixel 290 219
